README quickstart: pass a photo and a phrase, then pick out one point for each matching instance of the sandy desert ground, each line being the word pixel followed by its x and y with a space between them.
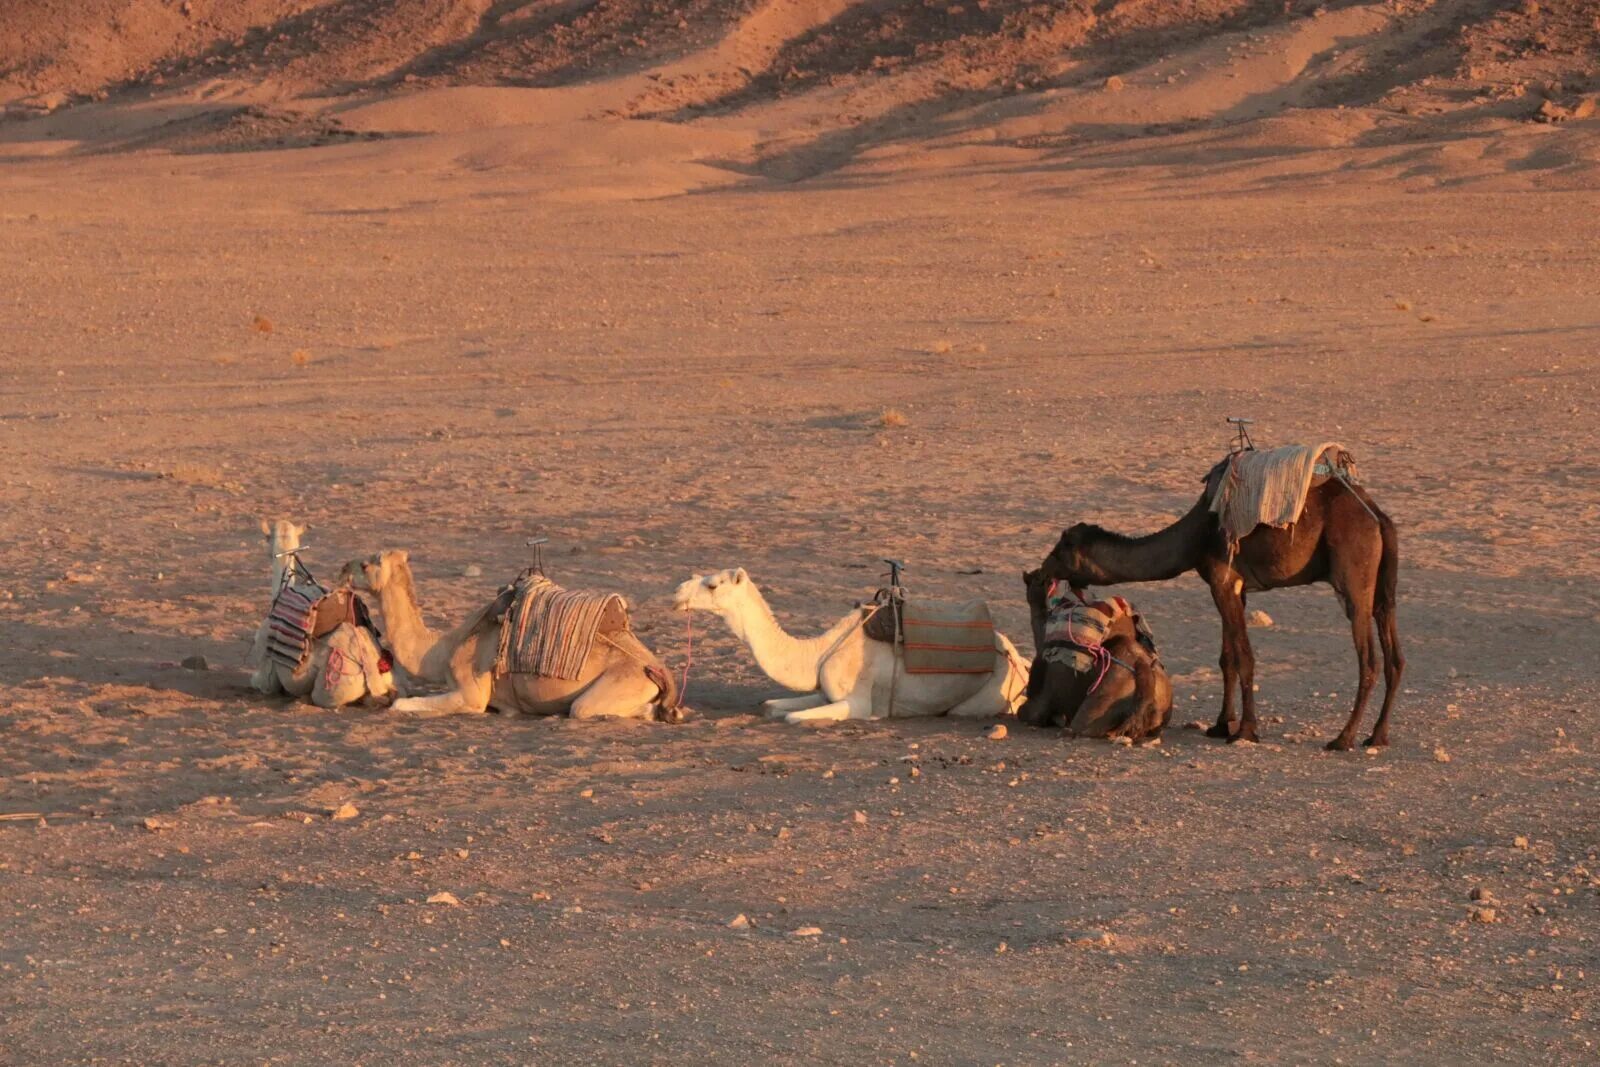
pixel 652 304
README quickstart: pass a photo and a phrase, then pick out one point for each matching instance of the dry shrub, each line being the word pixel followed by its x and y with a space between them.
pixel 1402 305
pixel 261 324
pixel 893 418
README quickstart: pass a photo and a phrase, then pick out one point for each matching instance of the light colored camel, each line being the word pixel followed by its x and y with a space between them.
pixel 844 674
pixel 613 683
pixel 333 674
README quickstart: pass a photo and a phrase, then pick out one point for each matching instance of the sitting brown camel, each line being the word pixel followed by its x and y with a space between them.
pixel 1124 693
pixel 1341 537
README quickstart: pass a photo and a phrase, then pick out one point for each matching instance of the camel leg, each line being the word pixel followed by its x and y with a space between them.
pixel 1366 659
pixel 1237 660
pixel 837 711
pixel 777 709
pixel 1383 613
pixel 265 678
pixel 622 692
pixel 1394 665
pixel 470 697
pixel 986 703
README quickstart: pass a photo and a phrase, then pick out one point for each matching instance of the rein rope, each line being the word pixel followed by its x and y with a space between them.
pixel 1098 656
pixel 688 654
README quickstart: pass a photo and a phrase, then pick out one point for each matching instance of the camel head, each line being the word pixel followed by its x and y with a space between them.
pixel 719 593
pixel 374 572
pixel 283 535
pixel 1072 560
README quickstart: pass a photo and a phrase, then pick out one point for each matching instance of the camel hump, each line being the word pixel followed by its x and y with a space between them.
pixel 939 636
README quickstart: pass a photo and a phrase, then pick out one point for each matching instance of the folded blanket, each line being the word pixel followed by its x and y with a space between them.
pixel 1269 486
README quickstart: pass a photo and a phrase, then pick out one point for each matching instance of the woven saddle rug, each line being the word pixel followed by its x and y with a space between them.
pixel 550 631
pixel 305 611
pixel 939 637
pixel 1269 486
pixel 1073 632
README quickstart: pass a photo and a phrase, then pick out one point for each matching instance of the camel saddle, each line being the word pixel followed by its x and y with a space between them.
pixel 1269 486
pixel 937 637
pixel 1075 634
pixel 549 631
pixel 305 611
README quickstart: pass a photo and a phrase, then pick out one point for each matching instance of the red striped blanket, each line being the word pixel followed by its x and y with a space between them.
pixel 550 631
pixel 939 638
pixel 290 622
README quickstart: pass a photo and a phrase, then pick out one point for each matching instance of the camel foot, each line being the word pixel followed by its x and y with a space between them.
pixel 1339 744
pixel 681 713
pixel 1377 741
pixel 1221 729
pixel 1246 733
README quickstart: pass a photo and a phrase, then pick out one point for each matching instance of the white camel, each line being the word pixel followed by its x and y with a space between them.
pixel 343 665
pixel 844 674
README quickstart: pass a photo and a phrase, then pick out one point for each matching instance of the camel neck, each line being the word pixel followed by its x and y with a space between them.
pixel 792 662
pixel 408 636
pixel 1167 553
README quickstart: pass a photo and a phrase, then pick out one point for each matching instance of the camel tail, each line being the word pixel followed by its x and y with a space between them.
pixel 668 684
pixel 1387 593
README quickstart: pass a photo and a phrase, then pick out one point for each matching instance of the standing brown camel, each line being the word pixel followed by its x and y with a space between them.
pixel 1335 540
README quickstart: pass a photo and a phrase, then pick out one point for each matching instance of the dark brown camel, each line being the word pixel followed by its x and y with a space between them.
pixel 1336 540
pixel 1133 699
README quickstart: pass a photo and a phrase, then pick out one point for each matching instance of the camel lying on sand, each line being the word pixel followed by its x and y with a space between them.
pixel 342 667
pixel 1124 692
pixel 621 678
pixel 844 674
pixel 1341 537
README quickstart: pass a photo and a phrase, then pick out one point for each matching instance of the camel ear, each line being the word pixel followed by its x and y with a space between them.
pixel 403 555
pixel 266 527
pixel 740 576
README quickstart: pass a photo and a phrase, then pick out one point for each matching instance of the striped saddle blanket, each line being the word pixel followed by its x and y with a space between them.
pixel 1269 486
pixel 1073 632
pixel 303 612
pixel 550 631
pixel 938 637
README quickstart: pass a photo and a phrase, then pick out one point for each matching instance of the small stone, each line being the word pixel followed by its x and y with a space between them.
pixel 739 922
pixel 1481 893
pixel 344 811
pixel 997 732
pixel 806 931
pixel 1114 84
pixel 196 663
pixel 472 571
pixel 446 897
pixel 1259 618
pixel 860 818
pixel 1520 842
pixel 1484 915
pixel 1441 756
pixel 155 825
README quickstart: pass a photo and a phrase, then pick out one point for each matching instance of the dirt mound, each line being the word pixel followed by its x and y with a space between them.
pixel 819 82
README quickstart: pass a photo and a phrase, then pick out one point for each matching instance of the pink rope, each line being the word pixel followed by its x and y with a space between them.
pixel 688 653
